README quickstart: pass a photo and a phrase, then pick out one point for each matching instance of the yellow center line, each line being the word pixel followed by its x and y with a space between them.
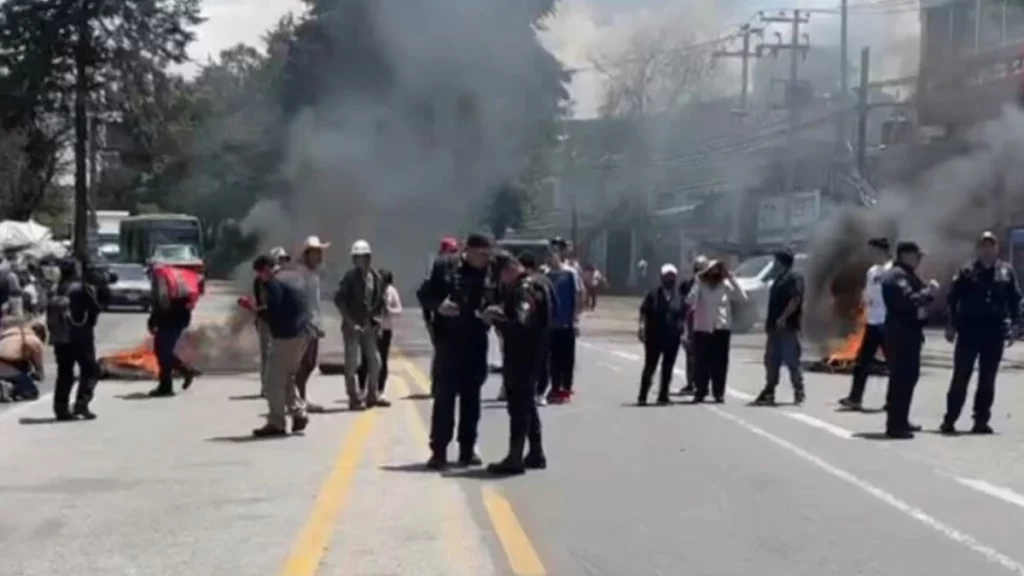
pixel 520 552
pixel 311 545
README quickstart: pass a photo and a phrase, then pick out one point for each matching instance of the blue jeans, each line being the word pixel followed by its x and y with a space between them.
pixel 164 342
pixel 783 348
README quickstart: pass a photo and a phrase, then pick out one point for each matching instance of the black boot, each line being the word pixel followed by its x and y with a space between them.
pixel 438 461
pixel 511 465
pixel 82 411
pixel 765 398
pixel 468 457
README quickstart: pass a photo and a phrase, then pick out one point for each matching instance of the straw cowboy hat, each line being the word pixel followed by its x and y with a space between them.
pixel 314 243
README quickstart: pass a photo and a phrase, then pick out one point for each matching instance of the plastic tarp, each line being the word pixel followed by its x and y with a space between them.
pixel 23 234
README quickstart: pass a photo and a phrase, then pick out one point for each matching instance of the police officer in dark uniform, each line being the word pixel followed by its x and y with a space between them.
pixel 457 291
pixel 984 315
pixel 905 296
pixel 532 266
pixel 71 318
pixel 523 316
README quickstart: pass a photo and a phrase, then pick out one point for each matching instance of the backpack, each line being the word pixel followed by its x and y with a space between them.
pixel 176 286
pixel 58 317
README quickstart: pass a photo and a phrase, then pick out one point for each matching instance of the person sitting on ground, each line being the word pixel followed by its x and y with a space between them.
pixel 22 346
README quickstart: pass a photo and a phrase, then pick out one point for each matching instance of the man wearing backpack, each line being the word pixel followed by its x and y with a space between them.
pixel 175 293
pixel 71 318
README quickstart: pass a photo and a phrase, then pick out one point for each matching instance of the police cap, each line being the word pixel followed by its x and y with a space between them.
pixel 880 243
pixel 907 247
pixel 262 262
pixel 987 237
pixel 479 240
pixel 503 259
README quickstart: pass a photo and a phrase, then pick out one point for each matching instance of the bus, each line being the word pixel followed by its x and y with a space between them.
pixel 141 235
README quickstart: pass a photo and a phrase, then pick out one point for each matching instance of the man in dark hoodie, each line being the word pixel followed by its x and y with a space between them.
pixel 287 317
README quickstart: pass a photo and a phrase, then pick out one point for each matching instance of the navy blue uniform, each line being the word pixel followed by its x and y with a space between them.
pixel 905 296
pixel 984 308
pixel 76 307
pixel 527 317
pixel 460 352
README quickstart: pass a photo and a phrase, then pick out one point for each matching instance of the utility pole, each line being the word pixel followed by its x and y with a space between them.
pixel 745 54
pixel 81 124
pixel 862 109
pixel 794 103
pixel 844 82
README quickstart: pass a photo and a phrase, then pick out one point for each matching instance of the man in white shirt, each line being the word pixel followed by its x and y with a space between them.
pixel 874 332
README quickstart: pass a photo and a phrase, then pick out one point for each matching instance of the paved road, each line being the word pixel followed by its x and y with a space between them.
pixel 174 486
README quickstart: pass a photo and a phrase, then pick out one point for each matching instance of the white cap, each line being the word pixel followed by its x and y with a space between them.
pixel 314 243
pixel 669 269
pixel 361 248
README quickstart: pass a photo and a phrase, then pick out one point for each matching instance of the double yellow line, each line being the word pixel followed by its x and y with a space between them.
pixel 309 549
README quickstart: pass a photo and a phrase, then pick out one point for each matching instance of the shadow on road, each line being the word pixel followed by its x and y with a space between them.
pixel 140 396
pixel 475 474
pixel 416 467
pixel 877 436
pixel 418 396
pixel 31 421
pixel 246 438
pixel 246 397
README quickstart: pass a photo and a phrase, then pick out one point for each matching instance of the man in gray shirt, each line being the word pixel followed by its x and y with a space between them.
pixel 308 265
pixel 360 300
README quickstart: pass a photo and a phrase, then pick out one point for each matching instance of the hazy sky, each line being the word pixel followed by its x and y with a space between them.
pixel 585 27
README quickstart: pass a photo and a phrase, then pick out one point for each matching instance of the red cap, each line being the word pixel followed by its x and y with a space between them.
pixel 449 245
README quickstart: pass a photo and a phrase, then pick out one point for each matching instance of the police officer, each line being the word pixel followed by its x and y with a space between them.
pixel 456 290
pixel 71 318
pixel 523 316
pixel 449 248
pixel 984 314
pixel 905 296
pixel 874 328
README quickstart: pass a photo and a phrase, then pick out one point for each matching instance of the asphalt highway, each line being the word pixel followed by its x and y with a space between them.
pixel 175 486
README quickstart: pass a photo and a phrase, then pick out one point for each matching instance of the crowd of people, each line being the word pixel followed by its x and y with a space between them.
pixel 695 315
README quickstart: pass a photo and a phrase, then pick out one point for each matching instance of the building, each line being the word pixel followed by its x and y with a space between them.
pixel 972 60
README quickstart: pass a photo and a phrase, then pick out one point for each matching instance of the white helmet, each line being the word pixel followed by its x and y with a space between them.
pixel 361 248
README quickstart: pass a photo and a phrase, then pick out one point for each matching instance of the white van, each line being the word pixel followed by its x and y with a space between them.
pixel 755 275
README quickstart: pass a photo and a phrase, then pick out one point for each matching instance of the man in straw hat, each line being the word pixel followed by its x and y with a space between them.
pixel 308 266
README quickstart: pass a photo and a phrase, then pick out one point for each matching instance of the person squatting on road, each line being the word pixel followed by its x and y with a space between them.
pixel 71 316
pixel 662 322
pixel 449 247
pixel 360 300
pixel 281 258
pixel 711 299
pixel 22 347
pixel 699 264
pixel 392 309
pixel 906 297
pixel 524 316
pixel 308 266
pixel 874 329
pixel 569 294
pixel 175 293
pixel 782 325
pixel 984 317
pixel 287 318
pixel 457 291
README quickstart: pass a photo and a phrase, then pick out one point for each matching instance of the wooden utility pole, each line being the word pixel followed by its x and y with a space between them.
pixel 862 109
pixel 81 123
pixel 745 54
pixel 793 104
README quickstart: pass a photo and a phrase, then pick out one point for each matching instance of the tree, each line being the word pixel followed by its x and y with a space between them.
pixel 656 71
pixel 86 50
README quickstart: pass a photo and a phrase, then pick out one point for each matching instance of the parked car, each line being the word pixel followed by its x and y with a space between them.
pixel 132 288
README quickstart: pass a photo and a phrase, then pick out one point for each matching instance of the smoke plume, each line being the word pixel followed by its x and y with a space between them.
pixel 944 210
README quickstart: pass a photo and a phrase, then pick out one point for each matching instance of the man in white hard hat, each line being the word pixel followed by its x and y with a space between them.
pixel 360 300
pixel 309 264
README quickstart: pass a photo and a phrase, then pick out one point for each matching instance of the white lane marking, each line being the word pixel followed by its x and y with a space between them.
pixel 990 554
pixel 625 355
pixel 832 429
pixel 609 366
pixel 1004 494
pixel 25 406
pixel 739 395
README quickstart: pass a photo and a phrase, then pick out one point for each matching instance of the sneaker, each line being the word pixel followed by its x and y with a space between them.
pixel 564 396
pixel 83 413
pixel 190 377
pixel 948 428
pixel 299 423
pixel 850 404
pixel 314 408
pixel 160 393
pixel 765 398
pixel 982 429
pixel 382 402
pixel 437 462
pixel 799 396
pixel 468 459
pixel 541 400
pixel 554 397
pixel 506 467
pixel 353 405
pixel 899 434
pixel 688 390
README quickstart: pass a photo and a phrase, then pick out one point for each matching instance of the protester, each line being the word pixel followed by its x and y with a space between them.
pixel 662 317
pixel 782 325
pixel 281 258
pixel 392 309
pixel 360 300
pixel 699 264
pixel 175 292
pixel 564 328
pixel 711 299
pixel 21 361
pixel 593 281
pixel 308 266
